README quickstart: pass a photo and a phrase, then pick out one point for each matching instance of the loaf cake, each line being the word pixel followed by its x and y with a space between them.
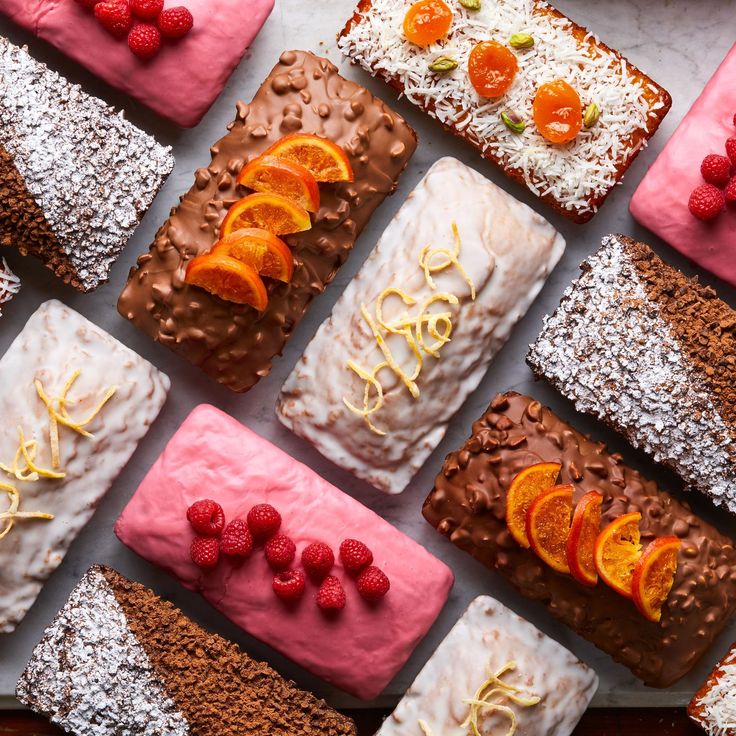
pixel 503 254
pixel 660 202
pixel 117 659
pixel 652 353
pixel 9 283
pixel 713 707
pixel 77 177
pixel 234 343
pixel 358 648
pixel 67 379
pixel 490 651
pixel 468 505
pixel 185 77
pixel 574 178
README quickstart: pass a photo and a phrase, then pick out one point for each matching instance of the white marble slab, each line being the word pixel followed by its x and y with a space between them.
pixel 679 42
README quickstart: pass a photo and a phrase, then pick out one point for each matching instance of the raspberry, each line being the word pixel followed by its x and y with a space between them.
pixel 175 22
pixel 280 552
pixel 731 150
pixel 205 552
pixel 289 585
pixel 114 17
pixel 88 3
pixel 236 539
pixel 716 169
pixel 264 521
pixel 372 583
pixel 706 202
pixel 147 9
pixel 317 559
pixel 355 556
pixel 206 517
pixel 331 596
pixel 731 191
pixel 144 40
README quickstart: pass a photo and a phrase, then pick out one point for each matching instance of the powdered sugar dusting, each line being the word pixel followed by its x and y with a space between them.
pixel 576 174
pixel 9 283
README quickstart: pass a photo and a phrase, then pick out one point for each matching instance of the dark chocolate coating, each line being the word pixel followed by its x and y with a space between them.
pixel 232 343
pixel 468 505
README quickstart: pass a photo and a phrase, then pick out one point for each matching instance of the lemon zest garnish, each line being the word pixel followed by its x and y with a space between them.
pixel 428 253
pixel 28 450
pixel 424 726
pixel 12 513
pixel 370 380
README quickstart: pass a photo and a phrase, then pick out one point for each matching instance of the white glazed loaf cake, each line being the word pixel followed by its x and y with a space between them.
pixel 505 253
pixel 56 343
pixel 490 640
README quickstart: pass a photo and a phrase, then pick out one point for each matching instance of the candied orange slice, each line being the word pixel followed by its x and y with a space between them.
pixel 617 549
pixel 325 160
pixel 262 250
pixel 524 488
pixel 228 278
pixel 492 68
pixel 548 525
pixel 270 212
pixel 653 576
pixel 277 175
pixel 580 550
pixel 558 112
pixel 427 21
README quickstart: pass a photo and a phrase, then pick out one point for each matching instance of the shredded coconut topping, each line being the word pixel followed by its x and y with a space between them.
pixel 9 283
pixel 576 174
pixel 718 717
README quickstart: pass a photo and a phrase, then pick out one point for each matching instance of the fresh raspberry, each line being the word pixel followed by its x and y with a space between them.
pixel 355 556
pixel 146 9
pixel 289 585
pixel 706 202
pixel 372 583
pixel 175 22
pixel 280 552
pixel 88 3
pixel 206 517
pixel 205 552
pixel 731 150
pixel 317 559
pixel 264 521
pixel 331 596
pixel 144 40
pixel 716 169
pixel 236 539
pixel 731 191
pixel 115 17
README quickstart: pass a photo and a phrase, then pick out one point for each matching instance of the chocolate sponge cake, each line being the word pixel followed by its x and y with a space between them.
pixel 468 505
pixel 652 353
pixel 118 659
pixel 235 343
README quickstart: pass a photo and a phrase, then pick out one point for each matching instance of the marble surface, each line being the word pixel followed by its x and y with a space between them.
pixel 679 42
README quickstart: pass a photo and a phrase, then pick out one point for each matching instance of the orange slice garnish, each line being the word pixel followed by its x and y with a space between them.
pixel 228 278
pixel 558 112
pixel 492 68
pixel 325 160
pixel 580 550
pixel 270 212
pixel 548 525
pixel 617 549
pixel 427 21
pixel 654 575
pixel 262 250
pixel 277 175
pixel 524 488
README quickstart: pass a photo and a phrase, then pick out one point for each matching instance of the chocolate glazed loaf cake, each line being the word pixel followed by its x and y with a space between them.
pixel 468 505
pixel 119 660
pixel 652 353
pixel 235 344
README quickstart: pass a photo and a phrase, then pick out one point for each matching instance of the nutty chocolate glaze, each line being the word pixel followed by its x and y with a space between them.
pixel 232 343
pixel 468 505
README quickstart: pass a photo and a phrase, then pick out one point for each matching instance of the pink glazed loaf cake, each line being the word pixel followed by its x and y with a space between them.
pixel 359 648
pixel 186 76
pixel 661 201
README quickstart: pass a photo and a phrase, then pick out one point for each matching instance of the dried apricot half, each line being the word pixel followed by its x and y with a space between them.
pixel 558 111
pixel 427 21
pixel 270 212
pixel 580 550
pixel 617 550
pixel 524 488
pixel 492 68
pixel 653 576
pixel 548 525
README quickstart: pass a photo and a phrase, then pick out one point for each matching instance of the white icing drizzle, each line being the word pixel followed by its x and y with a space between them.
pixel 573 174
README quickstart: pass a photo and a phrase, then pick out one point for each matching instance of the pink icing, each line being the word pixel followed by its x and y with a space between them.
pixel 660 202
pixel 214 456
pixel 183 80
